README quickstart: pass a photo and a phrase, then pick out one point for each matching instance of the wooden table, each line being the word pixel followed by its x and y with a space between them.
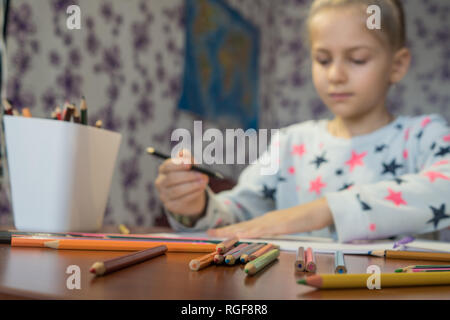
pixel 39 273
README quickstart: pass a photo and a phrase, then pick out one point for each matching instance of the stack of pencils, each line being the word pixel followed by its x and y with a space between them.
pixel 255 256
pixel 69 112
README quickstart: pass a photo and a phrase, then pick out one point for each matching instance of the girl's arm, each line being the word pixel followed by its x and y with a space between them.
pixel 253 195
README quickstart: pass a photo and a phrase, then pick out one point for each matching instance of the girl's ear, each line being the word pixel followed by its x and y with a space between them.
pixel 400 65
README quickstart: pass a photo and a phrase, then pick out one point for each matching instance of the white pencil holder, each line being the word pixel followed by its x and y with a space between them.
pixel 60 173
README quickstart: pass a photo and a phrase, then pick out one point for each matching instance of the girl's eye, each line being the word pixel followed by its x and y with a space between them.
pixel 323 61
pixel 358 61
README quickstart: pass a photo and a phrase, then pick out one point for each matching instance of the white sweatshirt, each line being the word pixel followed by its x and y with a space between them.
pixel 393 181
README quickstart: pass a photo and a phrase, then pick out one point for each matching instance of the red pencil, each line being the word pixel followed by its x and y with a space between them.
pixel 310 261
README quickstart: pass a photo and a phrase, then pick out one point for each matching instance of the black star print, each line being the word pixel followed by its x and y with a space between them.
pixel 339 172
pixel 442 151
pixel 419 135
pixel 399 126
pixel 364 205
pixel 346 186
pixel 391 167
pixel 269 193
pixel 319 160
pixel 433 146
pixel 399 181
pixel 439 214
pixel 380 148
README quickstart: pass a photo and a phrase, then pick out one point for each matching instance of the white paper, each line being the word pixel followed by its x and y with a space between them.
pixel 325 245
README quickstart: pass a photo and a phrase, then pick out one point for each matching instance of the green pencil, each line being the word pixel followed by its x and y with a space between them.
pixel 422 267
pixel 83 110
pixel 259 263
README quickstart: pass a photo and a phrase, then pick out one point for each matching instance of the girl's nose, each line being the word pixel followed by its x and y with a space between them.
pixel 337 73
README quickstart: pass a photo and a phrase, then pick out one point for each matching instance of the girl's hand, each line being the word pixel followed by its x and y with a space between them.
pixel 314 215
pixel 181 190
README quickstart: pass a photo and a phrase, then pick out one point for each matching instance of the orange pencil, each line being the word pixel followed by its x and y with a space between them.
pixel 110 245
pixel 261 251
pixel 26 112
pixel 202 262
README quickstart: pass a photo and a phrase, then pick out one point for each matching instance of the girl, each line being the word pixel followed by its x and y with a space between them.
pixel 363 175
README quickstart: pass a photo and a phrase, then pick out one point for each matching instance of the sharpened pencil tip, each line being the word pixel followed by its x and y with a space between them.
pixel 150 150
pixel 399 270
pixel 92 270
pixel 301 281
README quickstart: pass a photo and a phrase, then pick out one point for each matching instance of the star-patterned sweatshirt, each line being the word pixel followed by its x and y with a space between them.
pixel 393 181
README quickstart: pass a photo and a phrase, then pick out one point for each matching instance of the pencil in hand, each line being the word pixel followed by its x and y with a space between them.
pixel 103 268
pixel 160 155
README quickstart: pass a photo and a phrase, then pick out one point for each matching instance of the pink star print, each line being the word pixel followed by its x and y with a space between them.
pixel 316 185
pixel 298 149
pixel 447 138
pixel 372 227
pixel 405 154
pixel 395 197
pixel 407 134
pixel 425 121
pixel 356 160
pixel 440 163
pixel 291 170
pixel 433 175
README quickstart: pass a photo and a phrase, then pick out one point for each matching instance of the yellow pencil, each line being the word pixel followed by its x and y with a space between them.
pixel 346 281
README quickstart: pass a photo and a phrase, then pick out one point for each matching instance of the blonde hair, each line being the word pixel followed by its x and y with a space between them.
pixel 392 16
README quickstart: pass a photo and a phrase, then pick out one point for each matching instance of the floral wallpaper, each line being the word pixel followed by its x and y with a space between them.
pixel 127 60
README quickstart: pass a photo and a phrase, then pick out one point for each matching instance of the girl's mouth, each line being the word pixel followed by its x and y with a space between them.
pixel 341 96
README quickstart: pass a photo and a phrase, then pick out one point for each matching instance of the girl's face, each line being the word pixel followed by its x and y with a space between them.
pixel 351 65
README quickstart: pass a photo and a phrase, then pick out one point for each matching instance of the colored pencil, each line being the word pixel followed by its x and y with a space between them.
pixel 310 260
pixel 26 113
pixel 300 260
pixel 58 113
pixel 429 270
pixel 339 262
pixel 345 281
pixel 83 111
pixel 99 124
pixel 232 256
pixel 76 115
pixel 202 262
pixel 68 111
pixel 246 255
pixel 8 109
pixel 160 155
pixel 261 251
pixel 123 229
pixel 109 245
pixel 219 258
pixel 259 263
pixel 226 245
pixel 105 267
pixel 422 267
pixel 411 255
pixel 5 236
